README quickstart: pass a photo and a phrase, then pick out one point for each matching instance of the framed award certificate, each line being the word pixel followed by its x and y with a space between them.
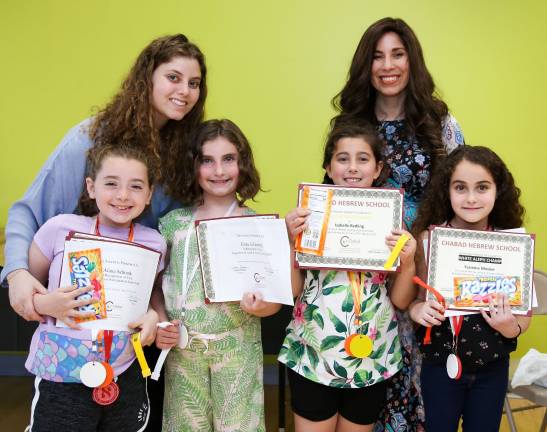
pixel 121 273
pixel 347 227
pixel 245 254
pixel 468 266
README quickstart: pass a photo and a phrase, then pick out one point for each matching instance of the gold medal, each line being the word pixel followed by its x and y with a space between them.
pixel 358 346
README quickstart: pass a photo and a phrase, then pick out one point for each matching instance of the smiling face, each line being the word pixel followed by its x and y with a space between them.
pixel 219 169
pixel 472 195
pixel 120 190
pixel 175 89
pixel 390 66
pixel 353 163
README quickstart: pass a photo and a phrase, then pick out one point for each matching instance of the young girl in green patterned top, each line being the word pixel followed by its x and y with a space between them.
pixel 214 381
pixel 330 389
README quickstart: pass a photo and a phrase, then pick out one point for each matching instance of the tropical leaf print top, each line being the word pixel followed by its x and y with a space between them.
pixel 197 315
pixel 324 317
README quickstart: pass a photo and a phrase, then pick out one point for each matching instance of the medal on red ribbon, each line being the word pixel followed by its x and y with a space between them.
pixel 453 362
pixel 357 345
pixel 105 395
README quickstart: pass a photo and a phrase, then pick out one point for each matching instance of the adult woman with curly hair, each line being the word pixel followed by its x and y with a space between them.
pixel 158 106
pixel 389 86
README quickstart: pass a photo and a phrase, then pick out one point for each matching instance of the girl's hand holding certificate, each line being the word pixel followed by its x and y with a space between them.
pixel 63 304
pixel 296 221
pixel 147 324
pixel 409 249
pixel 500 317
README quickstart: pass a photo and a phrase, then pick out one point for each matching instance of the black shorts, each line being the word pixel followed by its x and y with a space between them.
pixel 60 407
pixel 318 402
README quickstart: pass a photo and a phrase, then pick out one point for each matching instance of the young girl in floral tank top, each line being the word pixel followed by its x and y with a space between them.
pixel 331 390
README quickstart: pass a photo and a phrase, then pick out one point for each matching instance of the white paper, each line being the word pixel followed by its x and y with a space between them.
pixel 129 272
pixel 247 254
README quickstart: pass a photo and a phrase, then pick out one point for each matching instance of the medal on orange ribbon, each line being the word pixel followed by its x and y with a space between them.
pixel 357 345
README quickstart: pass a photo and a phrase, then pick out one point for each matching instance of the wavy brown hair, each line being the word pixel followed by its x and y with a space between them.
pixel 248 184
pixel 424 110
pixel 436 209
pixel 355 130
pixel 95 158
pixel 129 117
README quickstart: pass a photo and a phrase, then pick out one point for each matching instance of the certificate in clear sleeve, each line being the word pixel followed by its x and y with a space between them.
pixel 358 223
pixel 245 254
pixel 465 266
pixel 128 273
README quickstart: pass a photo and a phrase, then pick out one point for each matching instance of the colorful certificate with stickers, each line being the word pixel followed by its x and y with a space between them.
pixel 121 274
pixel 347 227
pixel 245 254
pixel 468 268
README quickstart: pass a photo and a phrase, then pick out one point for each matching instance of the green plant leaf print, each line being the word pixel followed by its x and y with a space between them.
pixel 347 304
pixel 362 377
pixel 334 289
pixel 340 370
pixel 377 353
pixel 330 342
pixel 310 308
pixel 392 325
pixel 380 368
pixel 312 356
pixel 368 315
pixel 329 277
pixel 318 319
pixel 296 351
pixel 394 344
pixel 338 382
pixel 338 325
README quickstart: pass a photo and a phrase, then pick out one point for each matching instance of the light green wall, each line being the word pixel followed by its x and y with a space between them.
pixel 274 67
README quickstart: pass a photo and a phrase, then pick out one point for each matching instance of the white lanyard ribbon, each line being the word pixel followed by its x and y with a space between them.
pixel 186 281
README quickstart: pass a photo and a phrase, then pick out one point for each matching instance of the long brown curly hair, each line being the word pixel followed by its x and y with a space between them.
pixel 248 184
pixel 436 209
pixel 129 116
pixel 424 110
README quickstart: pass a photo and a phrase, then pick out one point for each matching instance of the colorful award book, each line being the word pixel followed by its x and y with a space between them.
pixel 245 254
pixel 467 267
pixel 347 227
pixel 121 273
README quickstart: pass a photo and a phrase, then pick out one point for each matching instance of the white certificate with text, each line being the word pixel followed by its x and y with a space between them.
pixel 245 254
pixel 468 266
pixel 122 275
pixel 359 219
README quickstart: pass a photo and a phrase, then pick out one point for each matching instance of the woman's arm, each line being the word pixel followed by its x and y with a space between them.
pixel 55 190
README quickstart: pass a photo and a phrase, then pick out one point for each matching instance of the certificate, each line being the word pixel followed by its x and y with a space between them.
pixel 245 254
pixel 468 266
pixel 348 226
pixel 121 273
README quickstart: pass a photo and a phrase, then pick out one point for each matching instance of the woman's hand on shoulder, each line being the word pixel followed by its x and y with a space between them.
pixel 500 317
pixel 409 249
pixel 168 337
pixel 296 221
pixel 427 313
pixel 253 304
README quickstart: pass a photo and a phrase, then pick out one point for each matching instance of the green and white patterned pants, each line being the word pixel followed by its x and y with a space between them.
pixel 218 389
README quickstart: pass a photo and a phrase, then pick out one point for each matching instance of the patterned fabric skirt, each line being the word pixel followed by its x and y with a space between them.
pixel 404 409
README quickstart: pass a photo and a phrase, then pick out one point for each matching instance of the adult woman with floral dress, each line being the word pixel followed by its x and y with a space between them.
pixel 389 85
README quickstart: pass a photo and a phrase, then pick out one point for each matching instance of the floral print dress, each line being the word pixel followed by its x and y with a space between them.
pixel 324 317
pixel 410 168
